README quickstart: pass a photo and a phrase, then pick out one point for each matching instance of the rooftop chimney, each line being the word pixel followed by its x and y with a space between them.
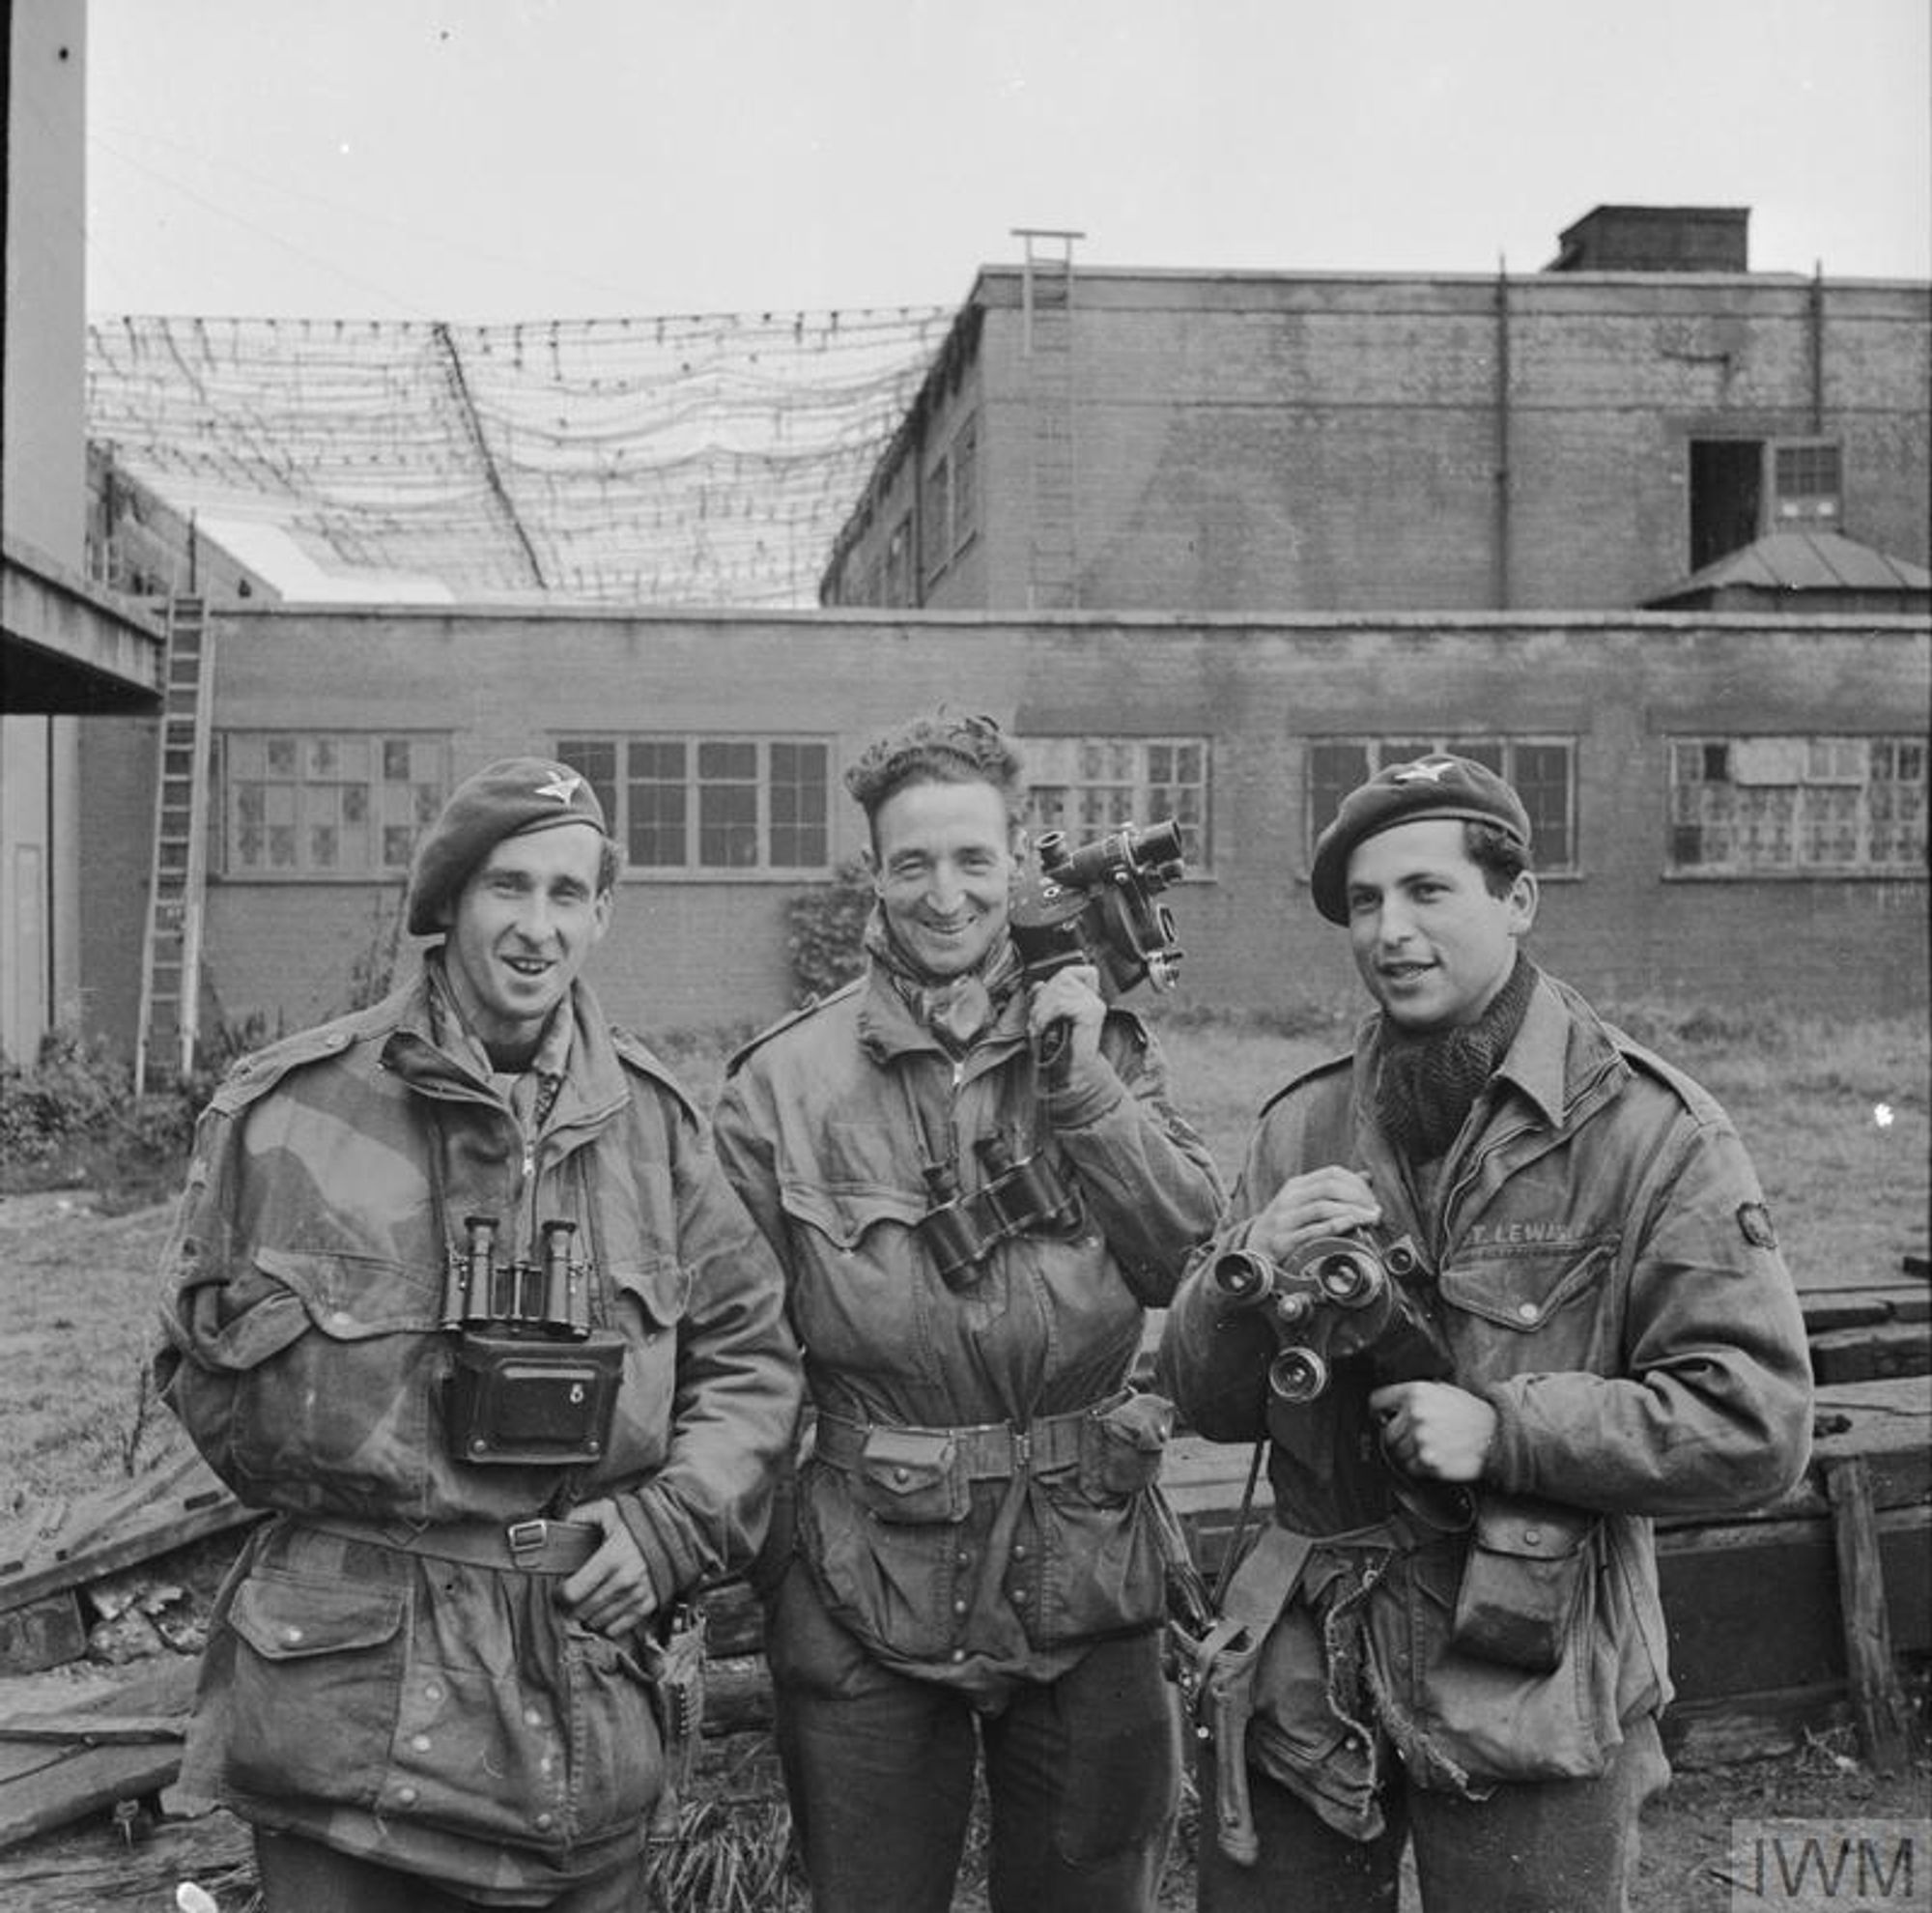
pixel 1655 238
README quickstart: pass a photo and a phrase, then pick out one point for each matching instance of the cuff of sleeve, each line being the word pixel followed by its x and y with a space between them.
pixel 1507 1465
pixel 1093 1090
pixel 663 1560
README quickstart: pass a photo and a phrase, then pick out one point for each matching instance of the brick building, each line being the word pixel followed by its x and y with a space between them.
pixel 1730 809
pixel 1586 437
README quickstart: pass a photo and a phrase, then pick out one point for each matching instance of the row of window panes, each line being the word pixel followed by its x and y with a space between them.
pixel 1089 785
pixel 1736 804
pixel 711 803
pixel 1744 804
pixel 328 804
pixel 351 757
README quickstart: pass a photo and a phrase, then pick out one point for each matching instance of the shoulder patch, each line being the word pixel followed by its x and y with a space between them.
pixel 1329 1067
pixel 1754 1221
pixel 789 1021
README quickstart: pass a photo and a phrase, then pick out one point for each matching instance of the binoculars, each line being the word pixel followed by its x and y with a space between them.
pixel 1335 1297
pixel 1024 1197
pixel 532 1380
pixel 549 1296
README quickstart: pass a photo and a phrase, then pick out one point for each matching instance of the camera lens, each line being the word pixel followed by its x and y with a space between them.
pixel 1240 1276
pixel 1298 1375
pixel 1349 1277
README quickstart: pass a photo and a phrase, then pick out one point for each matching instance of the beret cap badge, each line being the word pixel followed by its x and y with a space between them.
pixel 1437 785
pixel 509 798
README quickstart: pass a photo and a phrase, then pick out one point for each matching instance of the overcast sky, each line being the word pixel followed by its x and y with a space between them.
pixel 490 159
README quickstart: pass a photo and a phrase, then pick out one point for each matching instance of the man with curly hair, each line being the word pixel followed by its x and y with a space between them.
pixel 970 1246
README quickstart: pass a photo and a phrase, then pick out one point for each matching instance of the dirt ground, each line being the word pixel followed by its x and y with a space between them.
pixel 1687 1862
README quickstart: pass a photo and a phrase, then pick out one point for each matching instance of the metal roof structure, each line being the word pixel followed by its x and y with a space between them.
pixel 1802 561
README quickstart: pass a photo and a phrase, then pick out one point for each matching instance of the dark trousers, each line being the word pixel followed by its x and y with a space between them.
pixel 1082 1777
pixel 301 1875
pixel 1550 1846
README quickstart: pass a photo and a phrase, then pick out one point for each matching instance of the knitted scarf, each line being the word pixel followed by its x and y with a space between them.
pixel 956 1010
pixel 1427 1083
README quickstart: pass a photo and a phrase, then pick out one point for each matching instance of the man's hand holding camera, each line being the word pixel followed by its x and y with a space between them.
pixel 1324 1202
pixel 1070 998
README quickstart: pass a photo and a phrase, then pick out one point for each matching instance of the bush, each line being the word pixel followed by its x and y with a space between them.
pixel 73 1119
pixel 824 927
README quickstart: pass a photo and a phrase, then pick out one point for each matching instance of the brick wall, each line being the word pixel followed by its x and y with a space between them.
pixel 696 951
pixel 1260 442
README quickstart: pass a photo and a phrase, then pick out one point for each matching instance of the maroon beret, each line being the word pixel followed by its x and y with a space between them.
pixel 1437 787
pixel 510 798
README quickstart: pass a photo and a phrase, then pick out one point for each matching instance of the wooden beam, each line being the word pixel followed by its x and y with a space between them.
pixel 1877 1700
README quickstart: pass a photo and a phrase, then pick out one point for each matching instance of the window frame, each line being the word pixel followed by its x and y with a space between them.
pixel 1751 761
pixel 428 779
pixel 614 762
pixel 951 516
pixel 1038 751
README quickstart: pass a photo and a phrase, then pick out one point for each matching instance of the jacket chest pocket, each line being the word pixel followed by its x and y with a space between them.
pixel 1516 1308
pixel 325 1381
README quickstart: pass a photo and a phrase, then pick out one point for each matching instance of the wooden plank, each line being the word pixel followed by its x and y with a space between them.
pixel 89 1868
pixel 1878 1700
pixel 1872 1353
pixel 1755 1608
pixel 116 1527
pixel 1751 1727
pixel 95 1730
pixel 45 1785
pixel 82 1780
pixel 1854 1308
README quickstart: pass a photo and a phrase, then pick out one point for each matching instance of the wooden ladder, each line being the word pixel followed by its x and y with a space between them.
pixel 178 875
pixel 1046 299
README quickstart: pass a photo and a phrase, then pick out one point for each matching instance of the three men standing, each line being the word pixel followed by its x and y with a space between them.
pixel 463 1294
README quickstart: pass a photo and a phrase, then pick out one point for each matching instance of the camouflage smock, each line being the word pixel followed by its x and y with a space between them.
pixel 444 1716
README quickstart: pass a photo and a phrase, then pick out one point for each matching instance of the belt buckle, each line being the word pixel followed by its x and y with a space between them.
pixel 1022 1443
pixel 526 1537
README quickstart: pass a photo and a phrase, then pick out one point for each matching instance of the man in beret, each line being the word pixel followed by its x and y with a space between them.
pixel 459 1293
pixel 1449 1631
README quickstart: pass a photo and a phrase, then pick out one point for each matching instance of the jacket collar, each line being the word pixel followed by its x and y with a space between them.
pixel 888 1027
pixel 1563 1058
pixel 593 1081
